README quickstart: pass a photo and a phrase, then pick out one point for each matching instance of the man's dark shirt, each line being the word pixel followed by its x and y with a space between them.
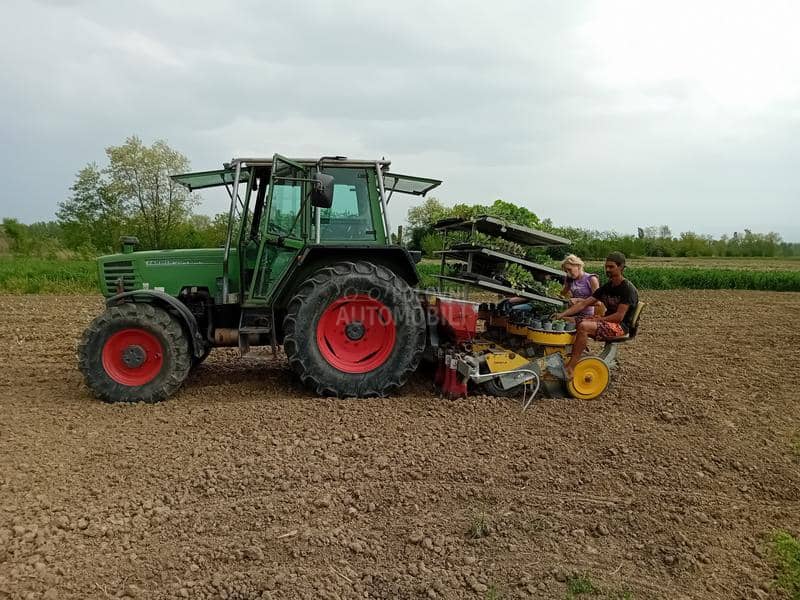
pixel 613 295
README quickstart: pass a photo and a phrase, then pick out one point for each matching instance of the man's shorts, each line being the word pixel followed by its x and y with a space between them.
pixel 605 330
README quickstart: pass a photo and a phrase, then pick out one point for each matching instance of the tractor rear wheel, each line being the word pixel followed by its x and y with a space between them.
pixel 134 353
pixel 354 329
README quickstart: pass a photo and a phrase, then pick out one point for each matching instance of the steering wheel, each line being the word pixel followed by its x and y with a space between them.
pixel 273 227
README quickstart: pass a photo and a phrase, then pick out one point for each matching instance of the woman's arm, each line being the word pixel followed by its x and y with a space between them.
pixel 576 308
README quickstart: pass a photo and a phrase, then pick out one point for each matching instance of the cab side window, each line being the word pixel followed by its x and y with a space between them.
pixel 350 216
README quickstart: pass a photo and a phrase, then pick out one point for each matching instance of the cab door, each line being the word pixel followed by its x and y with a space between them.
pixel 284 228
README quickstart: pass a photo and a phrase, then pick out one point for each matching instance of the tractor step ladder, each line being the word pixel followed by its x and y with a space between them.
pixel 254 321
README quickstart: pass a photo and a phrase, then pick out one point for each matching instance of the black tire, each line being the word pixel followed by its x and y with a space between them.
pixel 331 284
pixel 152 321
pixel 493 388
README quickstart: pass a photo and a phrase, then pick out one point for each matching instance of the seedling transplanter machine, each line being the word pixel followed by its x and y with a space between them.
pixel 509 347
pixel 308 265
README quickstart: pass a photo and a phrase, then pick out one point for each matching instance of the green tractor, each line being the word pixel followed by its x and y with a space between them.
pixel 307 264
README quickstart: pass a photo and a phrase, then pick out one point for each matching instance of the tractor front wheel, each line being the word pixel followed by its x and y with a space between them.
pixel 134 353
pixel 354 329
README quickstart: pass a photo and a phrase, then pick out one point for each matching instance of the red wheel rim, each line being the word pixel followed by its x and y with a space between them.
pixel 133 357
pixel 356 334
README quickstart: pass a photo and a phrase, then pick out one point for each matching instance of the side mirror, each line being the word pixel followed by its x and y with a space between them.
pixel 322 192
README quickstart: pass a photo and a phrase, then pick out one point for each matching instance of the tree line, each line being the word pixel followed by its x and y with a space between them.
pixel 132 194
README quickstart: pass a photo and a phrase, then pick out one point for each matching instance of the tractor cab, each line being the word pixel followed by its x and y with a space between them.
pixel 282 209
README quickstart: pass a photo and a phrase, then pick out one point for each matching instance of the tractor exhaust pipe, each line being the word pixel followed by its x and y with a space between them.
pixel 228 336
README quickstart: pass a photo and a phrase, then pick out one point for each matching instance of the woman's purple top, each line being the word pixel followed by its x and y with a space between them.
pixel 581 288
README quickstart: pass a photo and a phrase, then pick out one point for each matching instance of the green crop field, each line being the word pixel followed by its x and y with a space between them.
pixel 23 275
pixel 668 278
pixel 768 274
pixel 746 264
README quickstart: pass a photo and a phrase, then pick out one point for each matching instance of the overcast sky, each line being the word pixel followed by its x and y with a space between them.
pixel 609 115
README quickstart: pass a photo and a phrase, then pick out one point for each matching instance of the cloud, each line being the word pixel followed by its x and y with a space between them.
pixel 609 115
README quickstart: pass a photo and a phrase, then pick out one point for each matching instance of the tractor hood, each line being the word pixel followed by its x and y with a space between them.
pixel 163 270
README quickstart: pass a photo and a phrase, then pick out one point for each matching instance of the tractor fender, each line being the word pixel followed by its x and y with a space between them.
pixel 395 258
pixel 169 303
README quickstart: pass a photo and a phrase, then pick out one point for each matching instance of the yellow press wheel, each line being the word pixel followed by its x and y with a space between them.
pixel 589 380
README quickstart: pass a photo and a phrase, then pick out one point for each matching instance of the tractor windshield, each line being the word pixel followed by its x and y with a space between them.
pixel 351 217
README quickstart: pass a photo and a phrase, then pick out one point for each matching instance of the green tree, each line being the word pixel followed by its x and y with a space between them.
pixel 94 214
pixel 426 214
pixel 202 231
pixel 42 238
pixel 18 236
pixel 420 220
pixel 140 174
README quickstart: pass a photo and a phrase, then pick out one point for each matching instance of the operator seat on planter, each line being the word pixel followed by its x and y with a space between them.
pixel 609 353
pixel 637 312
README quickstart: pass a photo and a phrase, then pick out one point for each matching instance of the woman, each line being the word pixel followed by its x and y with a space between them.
pixel 578 284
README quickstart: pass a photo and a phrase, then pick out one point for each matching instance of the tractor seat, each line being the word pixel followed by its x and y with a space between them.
pixel 343 228
pixel 637 312
pixel 618 340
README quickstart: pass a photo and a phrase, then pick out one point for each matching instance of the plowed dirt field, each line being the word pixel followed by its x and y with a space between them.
pixel 245 486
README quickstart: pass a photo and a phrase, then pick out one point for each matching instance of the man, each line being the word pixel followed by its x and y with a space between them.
pixel 620 299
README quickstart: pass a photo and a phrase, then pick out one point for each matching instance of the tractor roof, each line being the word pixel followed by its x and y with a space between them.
pixel 339 161
pixel 393 182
